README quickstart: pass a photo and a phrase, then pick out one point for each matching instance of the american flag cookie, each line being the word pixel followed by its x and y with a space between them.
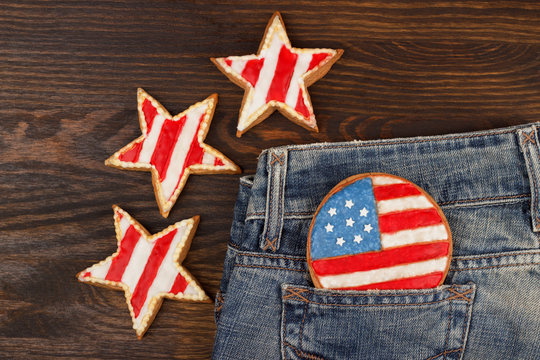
pixel 378 231
pixel 147 268
pixel 277 77
pixel 172 148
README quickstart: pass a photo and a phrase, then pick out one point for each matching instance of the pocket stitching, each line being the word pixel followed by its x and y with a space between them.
pixel 444 353
pixel 452 289
pixel 382 305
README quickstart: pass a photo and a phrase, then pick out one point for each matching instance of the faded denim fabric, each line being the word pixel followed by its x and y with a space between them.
pixel 487 184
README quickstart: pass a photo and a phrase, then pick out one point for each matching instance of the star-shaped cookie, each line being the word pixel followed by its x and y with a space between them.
pixel 147 267
pixel 172 148
pixel 277 78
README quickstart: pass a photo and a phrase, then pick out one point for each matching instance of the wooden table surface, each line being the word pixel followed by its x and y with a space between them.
pixel 69 73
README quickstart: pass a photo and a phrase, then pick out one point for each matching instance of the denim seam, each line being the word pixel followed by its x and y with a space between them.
pixel 448 329
pixel 283 325
pixel 302 354
pixel 537 145
pixel 269 256
pixel 444 353
pixel 270 267
pixel 302 325
pixel 457 258
pixel 465 326
pixel 465 202
pixel 384 143
pixel 534 202
pixel 274 217
pixel 383 305
pixel 295 292
pixel 494 266
pixel 234 246
pixel 435 291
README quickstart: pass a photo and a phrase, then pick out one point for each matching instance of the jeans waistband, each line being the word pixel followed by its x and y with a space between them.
pixel 457 170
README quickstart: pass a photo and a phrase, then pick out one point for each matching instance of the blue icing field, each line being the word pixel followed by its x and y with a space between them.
pixel 347 223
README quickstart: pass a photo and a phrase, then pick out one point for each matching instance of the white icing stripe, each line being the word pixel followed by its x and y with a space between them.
pixel 301 67
pixel 266 76
pixel 124 225
pixel 238 66
pixel 191 290
pixel 385 274
pixel 150 142
pixel 414 236
pixel 181 149
pixel 99 271
pixel 165 275
pixel 208 159
pixel 404 203
pixel 385 180
pixel 137 262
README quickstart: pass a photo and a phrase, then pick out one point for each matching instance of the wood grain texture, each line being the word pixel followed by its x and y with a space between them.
pixel 69 71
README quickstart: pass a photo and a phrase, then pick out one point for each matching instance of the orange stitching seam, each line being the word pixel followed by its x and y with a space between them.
pixel 279 159
pixel 459 295
pixel 495 266
pixel 269 267
pixel 270 256
pixel 295 292
pixel 270 243
pixel 302 354
pixel 531 172
pixel 385 295
pixel 444 353
pixel 497 256
pixel 528 138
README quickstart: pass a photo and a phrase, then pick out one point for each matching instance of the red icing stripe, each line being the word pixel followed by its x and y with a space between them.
pixel 228 62
pixel 165 145
pixel 411 219
pixel 417 282
pixel 252 70
pixel 300 106
pixel 149 112
pixel 150 270
pixel 380 259
pixel 394 191
pixel 87 274
pixel 218 162
pixel 316 59
pixel 180 284
pixel 132 154
pixel 119 263
pixel 196 152
pixel 282 76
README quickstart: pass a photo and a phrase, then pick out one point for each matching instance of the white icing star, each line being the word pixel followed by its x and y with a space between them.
pixel 349 203
pixel 332 211
pixel 350 222
pixel 368 228
pixel 340 241
pixel 329 228
pixel 357 239
pixel 364 212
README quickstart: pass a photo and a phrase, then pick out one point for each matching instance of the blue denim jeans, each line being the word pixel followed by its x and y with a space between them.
pixel 487 184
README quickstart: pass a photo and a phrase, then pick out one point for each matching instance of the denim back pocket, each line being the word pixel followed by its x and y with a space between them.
pixel 428 324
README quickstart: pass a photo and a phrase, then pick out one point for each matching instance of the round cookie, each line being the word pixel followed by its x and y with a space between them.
pixel 378 231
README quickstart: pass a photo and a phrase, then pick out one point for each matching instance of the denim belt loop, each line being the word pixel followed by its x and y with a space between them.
pixel 528 141
pixel 273 224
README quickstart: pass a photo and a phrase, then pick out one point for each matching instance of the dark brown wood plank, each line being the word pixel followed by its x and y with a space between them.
pixel 69 71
